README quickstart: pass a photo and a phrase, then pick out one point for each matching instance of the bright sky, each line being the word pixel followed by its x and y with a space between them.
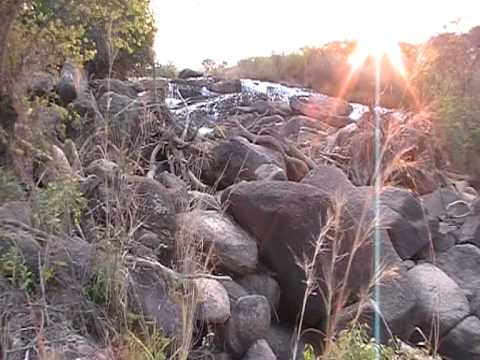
pixel 192 30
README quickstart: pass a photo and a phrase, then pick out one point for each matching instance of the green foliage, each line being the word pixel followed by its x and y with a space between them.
pixel 47 32
pixel 168 70
pixel 445 79
pixel 151 346
pixel 354 344
pixel 14 269
pixel 211 67
pixel 10 189
pixel 58 203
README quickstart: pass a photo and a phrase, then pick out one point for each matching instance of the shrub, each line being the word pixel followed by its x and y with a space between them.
pixel 58 204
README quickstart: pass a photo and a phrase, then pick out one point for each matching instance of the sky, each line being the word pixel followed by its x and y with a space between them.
pixel 192 30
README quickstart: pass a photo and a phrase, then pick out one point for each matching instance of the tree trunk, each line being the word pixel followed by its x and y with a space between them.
pixel 8 12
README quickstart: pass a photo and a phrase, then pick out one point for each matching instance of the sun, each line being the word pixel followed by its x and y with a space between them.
pixel 378 38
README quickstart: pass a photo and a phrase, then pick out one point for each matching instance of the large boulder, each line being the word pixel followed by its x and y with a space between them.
pixel 442 305
pixel 330 179
pixel 155 211
pixel 281 340
pixel 287 218
pixel 213 301
pixel 394 304
pixel 463 341
pixel 237 159
pixel 116 86
pixel 71 83
pixel 249 322
pixel 404 217
pixel 119 110
pixel 226 86
pixel 152 293
pixel 41 84
pixel 260 284
pixel 332 111
pixel 260 350
pixel 470 230
pixel 462 264
pixel 233 249
pixel 189 73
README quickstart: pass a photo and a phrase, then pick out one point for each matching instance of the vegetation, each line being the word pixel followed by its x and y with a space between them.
pixel 111 35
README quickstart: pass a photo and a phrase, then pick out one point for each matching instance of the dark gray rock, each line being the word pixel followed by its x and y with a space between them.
pixel 234 291
pixel 258 284
pixel 71 83
pixel 151 293
pixel 249 322
pixel 226 86
pixel 203 201
pixel 270 172
pixel 237 159
pixel 470 231
pixel 177 189
pixel 441 302
pixel 117 86
pixel 281 340
pixel 332 111
pixel 330 180
pixel 41 84
pixel 233 248
pixel 396 308
pixel 437 202
pixel 213 301
pixel 156 210
pixel 405 220
pixel 189 73
pixel 463 341
pixel 260 350
pixel 286 218
pixel 462 264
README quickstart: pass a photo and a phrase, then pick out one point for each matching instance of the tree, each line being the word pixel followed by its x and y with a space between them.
pixel 99 32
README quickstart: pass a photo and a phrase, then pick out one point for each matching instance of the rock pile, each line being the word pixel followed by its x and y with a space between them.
pixel 273 198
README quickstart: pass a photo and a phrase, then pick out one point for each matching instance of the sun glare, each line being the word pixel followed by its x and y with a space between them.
pixel 378 38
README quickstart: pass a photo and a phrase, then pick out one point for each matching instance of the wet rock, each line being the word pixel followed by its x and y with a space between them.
pixel 233 248
pixel 260 350
pixel 249 322
pixel 441 302
pixel 463 341
pixel 237 159
pixel 226 86
pixel 213 301
pixel 71 83
pixel 405 220
pixel 258 284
